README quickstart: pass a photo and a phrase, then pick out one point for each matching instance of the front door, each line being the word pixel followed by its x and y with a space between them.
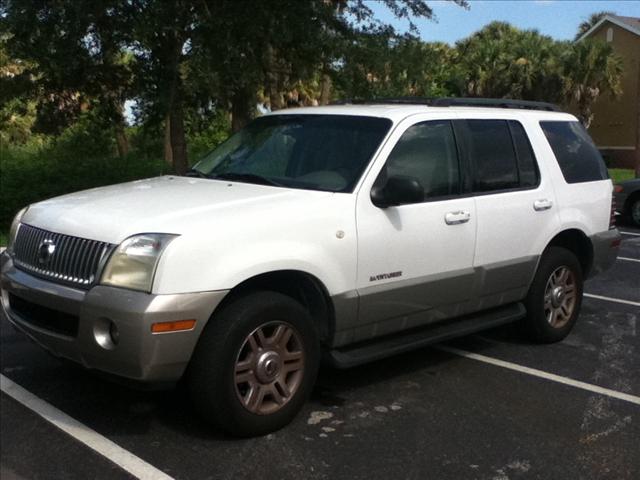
pixel 415 261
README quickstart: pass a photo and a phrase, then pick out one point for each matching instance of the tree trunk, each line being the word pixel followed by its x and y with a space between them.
pixel 273 90
pixel 325 88
pixel 168 154
pixel 120 134
pixel 122 141
pixel 178 142
pixel 242 108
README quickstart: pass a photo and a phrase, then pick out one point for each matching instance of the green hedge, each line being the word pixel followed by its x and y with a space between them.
pixel 29 174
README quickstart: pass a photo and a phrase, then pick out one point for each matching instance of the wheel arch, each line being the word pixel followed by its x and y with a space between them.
pixel 578 243
pixel 629 202
pixel 299 285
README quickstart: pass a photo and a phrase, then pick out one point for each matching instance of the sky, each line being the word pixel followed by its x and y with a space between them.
pixel 557 18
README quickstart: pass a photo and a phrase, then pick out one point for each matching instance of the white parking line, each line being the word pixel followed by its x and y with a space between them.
pixel 541 374
pixel 627 259
pixel 630 233
pixel 92 439
pixel 609 299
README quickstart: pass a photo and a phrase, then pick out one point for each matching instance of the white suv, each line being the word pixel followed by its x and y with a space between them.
pixel 347 232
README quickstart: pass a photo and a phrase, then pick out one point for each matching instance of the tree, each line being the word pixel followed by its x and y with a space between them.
pixel 590 70
pixel 76 59
pixel 502 61
pixel 588 24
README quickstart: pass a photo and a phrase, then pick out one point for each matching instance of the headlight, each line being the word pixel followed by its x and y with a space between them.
pixel 134 262
pixel 13 231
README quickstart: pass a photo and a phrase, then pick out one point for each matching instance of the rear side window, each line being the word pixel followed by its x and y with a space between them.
pixel 578 157
pixel 493 158
pixel 527 166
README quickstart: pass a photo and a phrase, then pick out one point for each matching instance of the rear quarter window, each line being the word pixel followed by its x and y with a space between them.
pixel 578 157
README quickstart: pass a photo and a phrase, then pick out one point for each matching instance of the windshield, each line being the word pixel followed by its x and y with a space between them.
pixel 316 152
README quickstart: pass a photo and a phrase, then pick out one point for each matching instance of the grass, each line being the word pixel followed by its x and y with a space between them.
pixel 621 174
pixel 3 239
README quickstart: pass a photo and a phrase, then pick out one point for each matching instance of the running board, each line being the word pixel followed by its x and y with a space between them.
pixel 369 351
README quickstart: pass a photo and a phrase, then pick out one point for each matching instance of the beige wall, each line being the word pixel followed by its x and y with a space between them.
pixel 615 121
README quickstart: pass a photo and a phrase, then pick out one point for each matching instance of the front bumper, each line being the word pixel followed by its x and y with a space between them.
pixel 138 355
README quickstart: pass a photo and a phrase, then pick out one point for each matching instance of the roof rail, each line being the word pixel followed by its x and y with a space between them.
pixel 457 102
pixel 495 103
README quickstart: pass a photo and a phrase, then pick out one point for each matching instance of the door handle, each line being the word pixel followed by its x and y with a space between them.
pixel 456 218
pixel 542 204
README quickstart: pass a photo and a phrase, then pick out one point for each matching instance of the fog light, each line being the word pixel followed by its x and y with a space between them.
pixel 106 333
pixel 114 333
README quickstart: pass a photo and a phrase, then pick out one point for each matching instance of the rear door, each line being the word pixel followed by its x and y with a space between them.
pixel 515 205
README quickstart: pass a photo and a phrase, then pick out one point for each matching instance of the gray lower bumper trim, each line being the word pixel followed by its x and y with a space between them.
pixel 139 354
pixel 605 250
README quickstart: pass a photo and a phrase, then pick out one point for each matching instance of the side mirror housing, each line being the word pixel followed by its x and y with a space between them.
pixel 398 190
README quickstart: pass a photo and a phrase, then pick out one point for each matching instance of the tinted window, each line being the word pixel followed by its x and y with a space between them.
pixel 427 151
pixel 527 166
pixel 318 152
pixel 493 159
pixel 578 157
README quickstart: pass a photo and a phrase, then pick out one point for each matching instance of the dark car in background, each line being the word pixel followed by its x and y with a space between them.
pixel 627 196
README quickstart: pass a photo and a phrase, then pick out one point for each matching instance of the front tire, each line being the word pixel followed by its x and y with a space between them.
pixel 255 364
pixel 555 297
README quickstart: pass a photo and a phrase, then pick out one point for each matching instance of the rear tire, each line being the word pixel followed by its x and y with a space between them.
pixel 634 212
pixel 255 364
pixel 554 299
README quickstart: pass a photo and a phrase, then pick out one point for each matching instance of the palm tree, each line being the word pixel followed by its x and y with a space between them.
pixel 590 69
pixel 594 18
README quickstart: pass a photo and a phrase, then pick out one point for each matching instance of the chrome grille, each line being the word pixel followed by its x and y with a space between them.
pixel 72 260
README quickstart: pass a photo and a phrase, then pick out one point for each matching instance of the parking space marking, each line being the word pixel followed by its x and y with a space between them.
pixel 630 233
pixel 92 439
pixel 542 374
pixel 627 259
pixel 610 299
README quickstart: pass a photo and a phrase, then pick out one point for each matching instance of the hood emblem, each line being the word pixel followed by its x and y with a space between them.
pixel 45 251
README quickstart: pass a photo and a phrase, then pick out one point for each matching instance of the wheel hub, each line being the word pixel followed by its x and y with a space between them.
pixel 268 366
pixel 557 296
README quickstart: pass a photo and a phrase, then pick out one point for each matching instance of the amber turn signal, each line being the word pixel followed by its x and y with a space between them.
pixel 177 326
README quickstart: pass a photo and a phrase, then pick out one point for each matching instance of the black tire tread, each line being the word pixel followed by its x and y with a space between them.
pixel 213 396
pixel 534 325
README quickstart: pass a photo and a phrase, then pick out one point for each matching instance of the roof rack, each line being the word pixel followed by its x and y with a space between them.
pixel 457 102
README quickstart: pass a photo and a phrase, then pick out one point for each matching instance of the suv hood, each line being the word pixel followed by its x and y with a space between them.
pixel 163 204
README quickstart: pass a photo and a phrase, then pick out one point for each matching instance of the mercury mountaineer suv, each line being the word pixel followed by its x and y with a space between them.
pixel 349 232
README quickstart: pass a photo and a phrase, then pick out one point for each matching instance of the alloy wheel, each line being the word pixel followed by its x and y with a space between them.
pixel 560 297
pixel 269 368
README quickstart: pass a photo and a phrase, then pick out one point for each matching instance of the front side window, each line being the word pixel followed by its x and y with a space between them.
pixel 427 152
pixel 578 157
pixel 315 152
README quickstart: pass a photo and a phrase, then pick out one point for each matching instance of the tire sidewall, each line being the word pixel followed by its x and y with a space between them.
pixel 634 204
pixel 236 322
pixel 536 322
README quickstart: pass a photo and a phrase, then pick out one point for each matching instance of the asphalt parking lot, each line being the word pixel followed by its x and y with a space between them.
pixel 487 406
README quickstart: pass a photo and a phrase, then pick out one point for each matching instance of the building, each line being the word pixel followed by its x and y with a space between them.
pixel 615 127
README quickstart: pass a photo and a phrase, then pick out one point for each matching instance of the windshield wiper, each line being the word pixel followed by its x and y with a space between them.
pixel 192 172
pixel 246 177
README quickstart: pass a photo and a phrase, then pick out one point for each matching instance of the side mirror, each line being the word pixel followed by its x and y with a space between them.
pixel 398 190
